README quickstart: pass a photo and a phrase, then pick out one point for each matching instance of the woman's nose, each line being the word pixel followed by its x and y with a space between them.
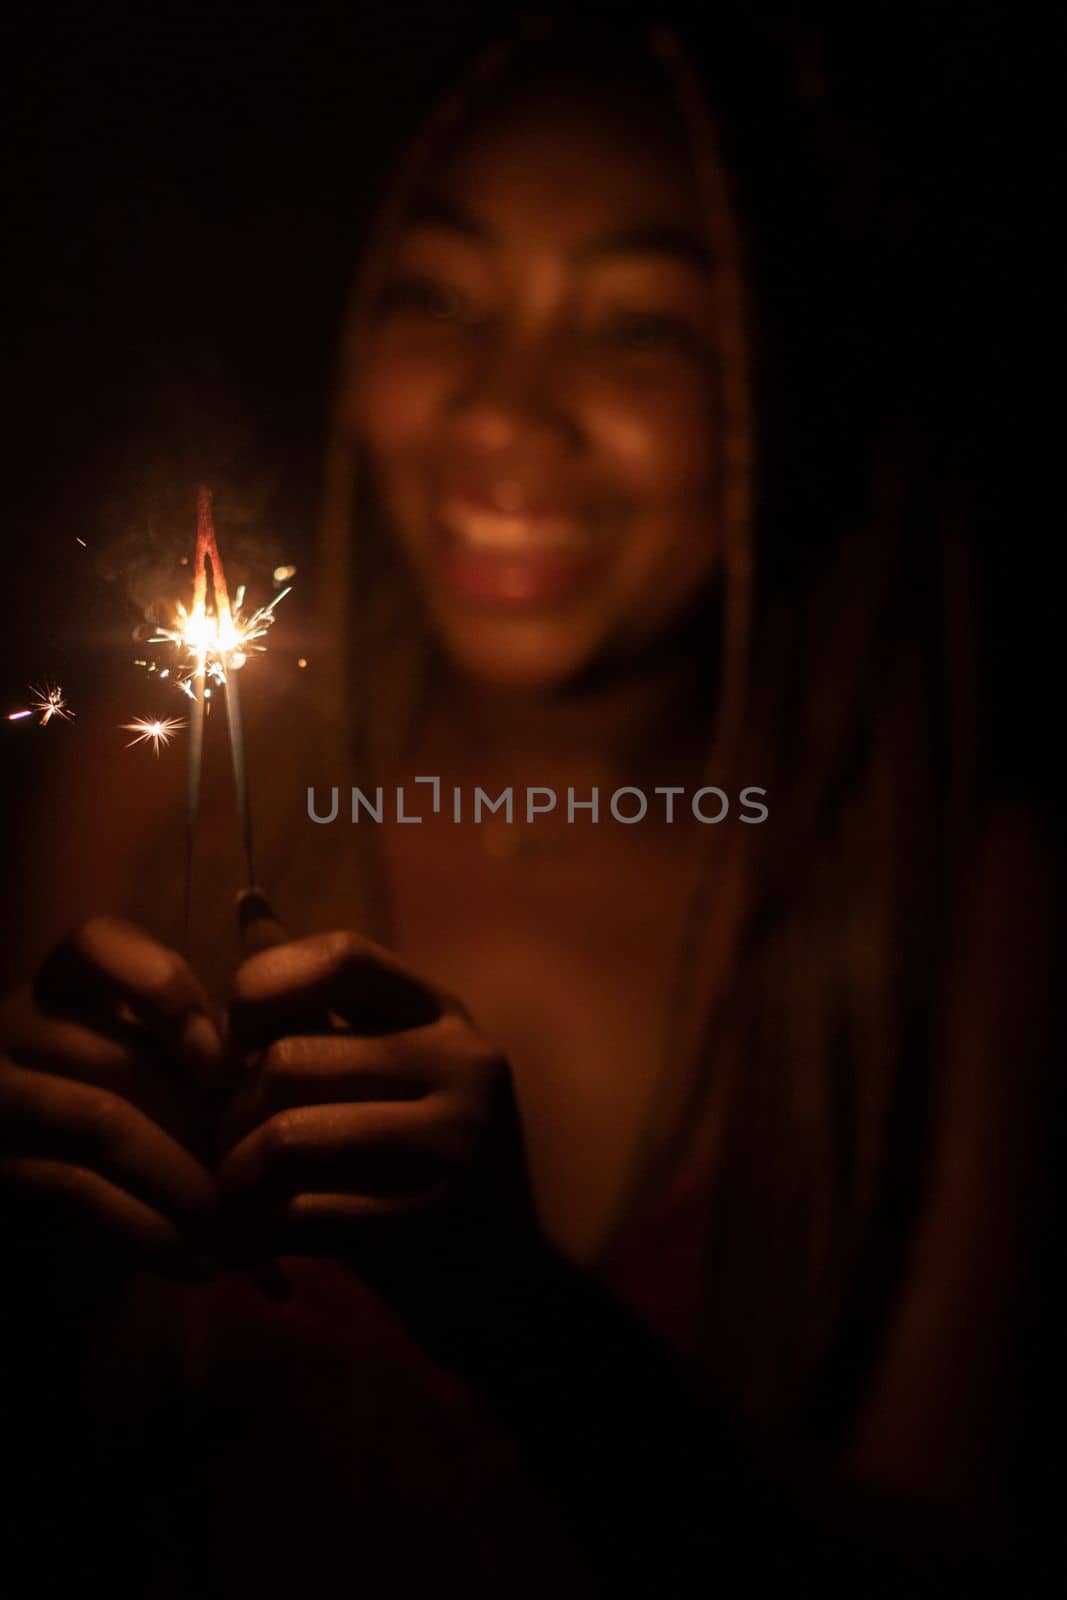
pixel 514 387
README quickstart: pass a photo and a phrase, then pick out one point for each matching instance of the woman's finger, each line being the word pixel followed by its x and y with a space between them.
pixel 61 1120
pixel 318 1069
pixel 114 1059
pixel 109 966
pixel 343 973
pixel 384 1149
pixel 260 929
pixel 325 1069
pixel 258 925
pixel 68 1202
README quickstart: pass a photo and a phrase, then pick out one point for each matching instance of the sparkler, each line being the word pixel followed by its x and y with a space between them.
pixel 210 640
pixel 212 645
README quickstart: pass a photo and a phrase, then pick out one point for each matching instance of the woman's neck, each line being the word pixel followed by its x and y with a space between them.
pixel 642 726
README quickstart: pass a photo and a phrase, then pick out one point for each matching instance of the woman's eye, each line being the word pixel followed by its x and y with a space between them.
pixel 429 298
pixel 639 332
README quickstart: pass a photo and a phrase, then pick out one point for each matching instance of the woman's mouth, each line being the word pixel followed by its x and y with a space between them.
pixel 514 557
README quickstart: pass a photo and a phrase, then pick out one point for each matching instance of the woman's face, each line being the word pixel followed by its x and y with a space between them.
pixel 539 393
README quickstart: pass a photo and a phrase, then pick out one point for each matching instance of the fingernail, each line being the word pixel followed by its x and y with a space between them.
pixel 259 926
pixel 200 1040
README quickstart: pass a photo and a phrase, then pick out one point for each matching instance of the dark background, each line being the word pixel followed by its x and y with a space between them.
pixel 186 188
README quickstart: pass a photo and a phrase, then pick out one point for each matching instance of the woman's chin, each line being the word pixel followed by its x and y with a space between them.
pixel 515 655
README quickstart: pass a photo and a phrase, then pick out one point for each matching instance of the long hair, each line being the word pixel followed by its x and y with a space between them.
pixel 844 676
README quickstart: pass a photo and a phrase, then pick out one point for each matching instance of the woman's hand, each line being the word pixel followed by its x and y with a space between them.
pixel 371 1123
pixel 105 1066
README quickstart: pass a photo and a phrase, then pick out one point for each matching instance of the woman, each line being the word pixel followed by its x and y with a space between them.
pixel 548 1067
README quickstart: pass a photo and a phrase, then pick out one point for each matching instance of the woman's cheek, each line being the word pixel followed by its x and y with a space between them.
pixel 400 395
pixel 657 441
pixel 657 435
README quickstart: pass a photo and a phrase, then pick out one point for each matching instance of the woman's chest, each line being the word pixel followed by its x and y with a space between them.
pixel 566 962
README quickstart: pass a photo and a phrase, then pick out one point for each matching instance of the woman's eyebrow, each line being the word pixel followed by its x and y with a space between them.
pixel 652 238
pixel 669 239
pixel 431 211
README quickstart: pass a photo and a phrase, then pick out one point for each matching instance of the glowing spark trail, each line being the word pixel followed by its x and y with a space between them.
pixel 50 703
pixel 47 703
pixel 157 732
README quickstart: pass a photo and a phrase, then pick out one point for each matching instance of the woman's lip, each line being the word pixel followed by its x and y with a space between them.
pixel 515 532
pixel 515 567
pixel 506 499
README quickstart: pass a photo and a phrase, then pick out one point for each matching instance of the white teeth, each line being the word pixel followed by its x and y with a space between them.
pixel 490 530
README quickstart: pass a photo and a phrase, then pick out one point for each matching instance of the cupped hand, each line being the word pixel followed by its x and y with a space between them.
pixel 372 1123
pixel 106 1072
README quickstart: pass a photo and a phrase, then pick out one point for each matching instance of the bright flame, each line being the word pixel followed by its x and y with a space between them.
pixel 213 643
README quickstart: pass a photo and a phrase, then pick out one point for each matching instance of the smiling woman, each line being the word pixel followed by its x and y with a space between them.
pixel 540 379
pixel 655 1171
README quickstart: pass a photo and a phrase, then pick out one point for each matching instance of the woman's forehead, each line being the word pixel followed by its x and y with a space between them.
pixel 577 165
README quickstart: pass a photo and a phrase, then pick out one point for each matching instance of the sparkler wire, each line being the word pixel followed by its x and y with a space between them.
pixel 192 803
pixel 240 771
pixel 207 550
